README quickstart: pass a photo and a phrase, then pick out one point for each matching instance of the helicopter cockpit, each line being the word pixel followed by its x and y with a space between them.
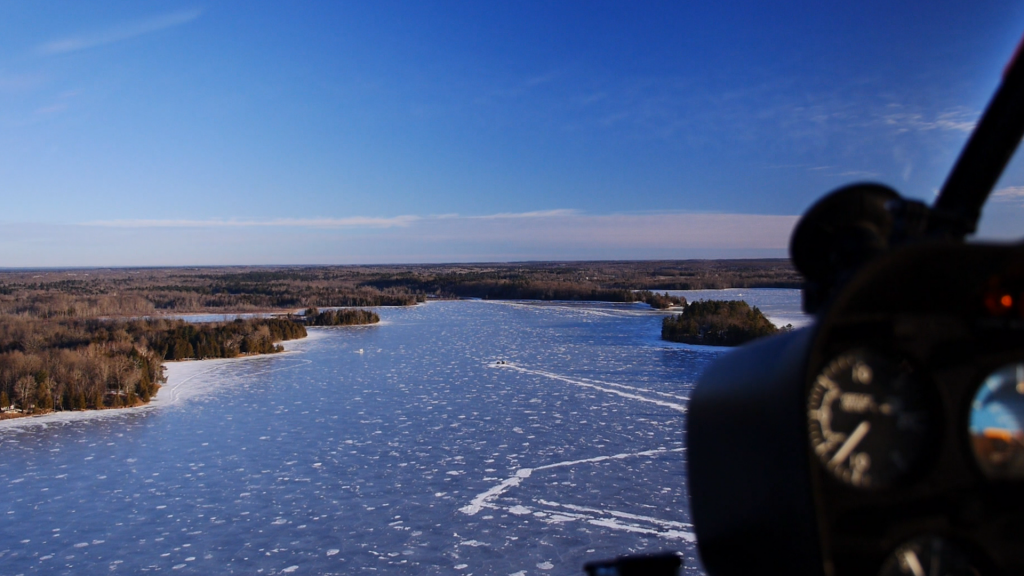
pixel 888 437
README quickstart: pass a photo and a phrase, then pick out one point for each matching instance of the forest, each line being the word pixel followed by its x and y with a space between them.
pixel 717 323
pixel 132 292
pixel 75 364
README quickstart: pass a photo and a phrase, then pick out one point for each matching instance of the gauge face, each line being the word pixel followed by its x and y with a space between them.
pixel 926 556
pixel 869 420
pixel 996 430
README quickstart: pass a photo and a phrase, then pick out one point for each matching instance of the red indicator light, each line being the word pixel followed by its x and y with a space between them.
pixel 998 302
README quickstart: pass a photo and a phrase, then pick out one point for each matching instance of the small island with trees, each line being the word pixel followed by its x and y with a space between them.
pixel 344 317
pixel 717 323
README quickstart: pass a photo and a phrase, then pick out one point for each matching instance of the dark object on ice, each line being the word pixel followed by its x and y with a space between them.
pixel 661 564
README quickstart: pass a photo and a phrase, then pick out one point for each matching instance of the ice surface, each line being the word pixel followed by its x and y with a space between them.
pixel 419 456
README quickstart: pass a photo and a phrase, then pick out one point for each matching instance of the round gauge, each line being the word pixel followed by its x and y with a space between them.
pixel 996 429
pixel 869 420
pixel 926 556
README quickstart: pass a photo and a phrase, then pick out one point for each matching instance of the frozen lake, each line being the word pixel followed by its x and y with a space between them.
pixel 400 448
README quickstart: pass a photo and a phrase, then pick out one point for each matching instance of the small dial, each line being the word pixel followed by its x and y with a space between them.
pixel 869 420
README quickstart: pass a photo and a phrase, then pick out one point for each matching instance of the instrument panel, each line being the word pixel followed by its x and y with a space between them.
pixel 914 396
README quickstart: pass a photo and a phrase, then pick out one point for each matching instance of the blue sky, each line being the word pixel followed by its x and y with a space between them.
pixel 166 133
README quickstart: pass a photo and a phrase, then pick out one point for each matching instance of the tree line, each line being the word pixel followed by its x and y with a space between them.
pixel 524 289
pixel 153 291
pixel 184 341
pixel 74 364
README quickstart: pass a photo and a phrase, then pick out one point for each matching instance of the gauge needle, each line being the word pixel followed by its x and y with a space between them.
pixel 913 563
pixel 844 451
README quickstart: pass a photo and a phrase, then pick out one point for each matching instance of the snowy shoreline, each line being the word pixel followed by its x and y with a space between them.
pixel 183 378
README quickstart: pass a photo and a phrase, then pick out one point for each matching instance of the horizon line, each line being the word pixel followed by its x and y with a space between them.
pixel 375 265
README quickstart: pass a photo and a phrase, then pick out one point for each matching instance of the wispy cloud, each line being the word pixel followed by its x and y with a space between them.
pixel 125 31
pixel 859 174
pixel 352 222
pixel 20 82
pixel 830 170
pixel 523 87
pixel 563 228
pixel 573 232
pixel 541 79
pixel 956 119
pixel 535 214
pixel 536 235
pixel 1009 194
pixel 348 222
pixel 51 109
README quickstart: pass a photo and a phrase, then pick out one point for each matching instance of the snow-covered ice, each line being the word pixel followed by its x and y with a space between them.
pixel 419 456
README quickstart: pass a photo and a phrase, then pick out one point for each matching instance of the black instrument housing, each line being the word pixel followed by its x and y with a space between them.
pixel 762 501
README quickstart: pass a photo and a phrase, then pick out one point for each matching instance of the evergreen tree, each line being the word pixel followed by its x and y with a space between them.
pixel 43 399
